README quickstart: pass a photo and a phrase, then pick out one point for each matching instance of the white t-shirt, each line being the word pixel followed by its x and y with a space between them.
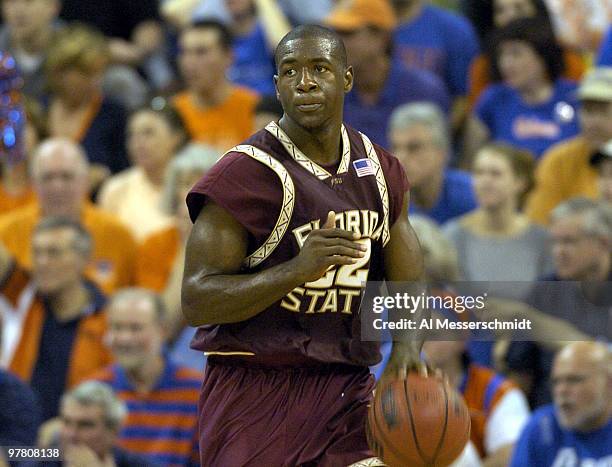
pixel 135 201
pixel 506 421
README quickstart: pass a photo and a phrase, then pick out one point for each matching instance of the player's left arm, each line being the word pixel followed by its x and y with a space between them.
pixel 404 263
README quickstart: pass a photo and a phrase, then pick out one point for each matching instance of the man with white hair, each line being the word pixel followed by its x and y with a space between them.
pixel 581 232
pixel 420 140
pixel 578 291
pixel 143 375
pixel 61 183
pixel 576 430
pixel 91 417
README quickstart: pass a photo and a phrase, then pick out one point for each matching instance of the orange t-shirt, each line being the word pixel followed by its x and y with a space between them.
pixel 224 125
pixel 483 390
pixel 480 73
pixel 10 202
pixel 156 257
pixel 114 255
pixel 565 171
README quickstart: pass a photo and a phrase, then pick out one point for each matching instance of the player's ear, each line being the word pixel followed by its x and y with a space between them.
pixel 276 87
pixel 348 79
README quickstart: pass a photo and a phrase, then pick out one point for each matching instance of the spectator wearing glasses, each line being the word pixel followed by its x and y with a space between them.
pixel 576 429
pixel 91 417
pixel 577 292
pixel 54 323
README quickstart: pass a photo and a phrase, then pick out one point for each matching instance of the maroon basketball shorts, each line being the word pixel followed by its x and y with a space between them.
pixel 285 417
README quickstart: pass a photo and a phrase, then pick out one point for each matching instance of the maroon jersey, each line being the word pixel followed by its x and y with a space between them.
pixel 279 195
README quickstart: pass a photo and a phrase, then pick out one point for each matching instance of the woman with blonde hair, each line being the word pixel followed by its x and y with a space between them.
pixel 77 109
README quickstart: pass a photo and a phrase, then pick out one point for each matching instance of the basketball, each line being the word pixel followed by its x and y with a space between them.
pixel 417 422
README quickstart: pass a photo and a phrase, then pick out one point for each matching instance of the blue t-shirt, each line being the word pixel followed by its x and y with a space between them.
pixel 253 64
pixel 441 42
pixel 104 141
pixel 604 57
pixel 403 85
pixel 456 198
pixel 532 127
pixel 545 443
pixel 54 354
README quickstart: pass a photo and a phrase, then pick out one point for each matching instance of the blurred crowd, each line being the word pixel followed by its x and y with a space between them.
pixel 500 111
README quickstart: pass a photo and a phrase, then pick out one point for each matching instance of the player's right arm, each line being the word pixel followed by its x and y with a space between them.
pixel 215 292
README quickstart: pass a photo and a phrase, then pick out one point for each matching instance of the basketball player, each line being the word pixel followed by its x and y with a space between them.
pixel 287 228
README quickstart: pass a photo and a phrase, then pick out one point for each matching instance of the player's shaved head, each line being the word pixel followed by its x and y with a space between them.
pixel 313 32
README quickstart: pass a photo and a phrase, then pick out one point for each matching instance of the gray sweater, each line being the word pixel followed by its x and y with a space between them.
pixel 522 258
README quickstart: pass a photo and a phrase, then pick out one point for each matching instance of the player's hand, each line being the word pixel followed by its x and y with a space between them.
pixel 405 358
pixel 327 247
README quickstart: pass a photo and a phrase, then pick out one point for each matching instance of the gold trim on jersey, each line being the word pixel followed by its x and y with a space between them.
pixel 248 354
pixel 382 185
pixel 303 160
pixel 369 462
pixel 284 217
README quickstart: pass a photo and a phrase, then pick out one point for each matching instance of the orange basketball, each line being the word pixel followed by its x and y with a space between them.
pixel 418 422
